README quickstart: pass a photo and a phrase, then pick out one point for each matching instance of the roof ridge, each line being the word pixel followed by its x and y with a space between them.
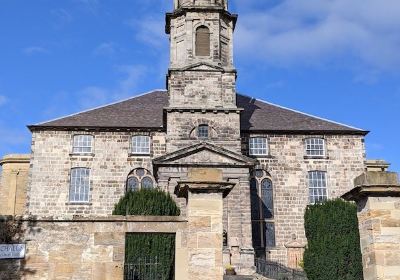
pixel 100 107
pixel 303 113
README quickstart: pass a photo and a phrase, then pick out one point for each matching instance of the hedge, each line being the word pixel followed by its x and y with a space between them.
pixel 147 203
pixel 333 250
pixel 149 247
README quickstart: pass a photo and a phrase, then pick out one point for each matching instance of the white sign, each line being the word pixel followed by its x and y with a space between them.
pixel 12 251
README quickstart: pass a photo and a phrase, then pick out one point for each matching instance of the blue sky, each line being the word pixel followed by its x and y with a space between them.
pixel 337 59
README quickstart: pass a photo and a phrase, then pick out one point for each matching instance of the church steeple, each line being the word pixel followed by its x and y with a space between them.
pixel 201 72
pixel 201 31
pixel 201 76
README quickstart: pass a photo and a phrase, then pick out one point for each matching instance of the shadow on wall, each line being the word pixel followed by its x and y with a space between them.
pixel 14 231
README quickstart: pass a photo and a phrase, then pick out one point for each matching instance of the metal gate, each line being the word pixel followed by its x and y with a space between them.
pixel 278 271
pixel 146 268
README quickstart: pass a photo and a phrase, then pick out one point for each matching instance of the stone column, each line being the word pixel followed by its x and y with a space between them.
pixel 205 227
pixel 377 195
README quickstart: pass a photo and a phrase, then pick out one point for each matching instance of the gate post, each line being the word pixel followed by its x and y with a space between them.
pixel 377 195
pixel 205 227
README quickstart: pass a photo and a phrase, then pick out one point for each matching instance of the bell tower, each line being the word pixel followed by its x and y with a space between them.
pixel 201 77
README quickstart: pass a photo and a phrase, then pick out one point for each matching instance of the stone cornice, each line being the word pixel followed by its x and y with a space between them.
pixel 361 192
pixel 203 110
pixel 182 10
pixel 15 159
pixel 147 219
pixel 184 187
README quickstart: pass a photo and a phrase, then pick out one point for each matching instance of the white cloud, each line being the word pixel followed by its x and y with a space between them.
pixel 3 100
pixel 93 96
pixel 35 50
pixel 106 49
pixel 317 32
pixel 62 17
pixel 150 31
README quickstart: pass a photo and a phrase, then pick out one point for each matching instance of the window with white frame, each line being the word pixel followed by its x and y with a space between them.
pixel 82 144
pixel 79 185
pixel 317 183
pixel 315 147
pixel 258 146
pixel 141 145
pixel 203 131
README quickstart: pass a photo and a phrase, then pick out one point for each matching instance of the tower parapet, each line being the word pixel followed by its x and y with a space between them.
pixel 200 3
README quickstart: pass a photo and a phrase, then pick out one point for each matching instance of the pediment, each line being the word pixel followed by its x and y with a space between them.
pixel 204 154
pixel 203 66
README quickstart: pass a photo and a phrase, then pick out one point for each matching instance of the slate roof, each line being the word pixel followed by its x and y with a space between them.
pixel 146 112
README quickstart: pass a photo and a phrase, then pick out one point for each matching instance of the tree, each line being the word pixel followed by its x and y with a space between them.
pixel 333 250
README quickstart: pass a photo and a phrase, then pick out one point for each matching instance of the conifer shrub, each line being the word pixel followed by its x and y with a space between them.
pixel 147 202
pixel 333 250
pixel 148 248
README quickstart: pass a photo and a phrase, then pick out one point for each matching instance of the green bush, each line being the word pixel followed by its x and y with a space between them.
pixel 333 250
pixel 149 247
pixel 147 203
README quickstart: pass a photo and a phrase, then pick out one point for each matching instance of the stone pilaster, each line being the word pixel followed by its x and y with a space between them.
pixel 13 184
pixel 377 195
pixel 205 227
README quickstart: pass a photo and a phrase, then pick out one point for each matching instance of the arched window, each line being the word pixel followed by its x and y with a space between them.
pixel 203 41
pixel 267 198
pixel 132 184
pixel 139 178
pixel 147 183
pixel 262 209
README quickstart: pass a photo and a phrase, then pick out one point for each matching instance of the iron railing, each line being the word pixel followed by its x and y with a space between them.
pixel 146 268
pixel 278 271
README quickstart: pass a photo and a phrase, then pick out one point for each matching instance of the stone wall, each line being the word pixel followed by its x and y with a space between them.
pixel 222 128
pixel 13 184
pixel 288 167
pixel 202 89
pixel 182 28
pixel 110 164
pixel 86 249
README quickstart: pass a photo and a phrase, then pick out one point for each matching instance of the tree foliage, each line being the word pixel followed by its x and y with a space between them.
pixel 147 203
pixel 149 247
pixel 10 231
pixel 333 250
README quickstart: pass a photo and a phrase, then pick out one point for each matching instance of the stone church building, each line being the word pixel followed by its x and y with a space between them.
pixel 199 130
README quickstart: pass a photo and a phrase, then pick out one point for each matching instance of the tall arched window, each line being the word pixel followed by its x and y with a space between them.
pixel 203 41
pixel 262 210
pixel 267 198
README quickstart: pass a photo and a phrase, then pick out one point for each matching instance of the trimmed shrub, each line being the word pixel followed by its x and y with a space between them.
pixel 147 203
pixel 333 250
pixel 149 247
